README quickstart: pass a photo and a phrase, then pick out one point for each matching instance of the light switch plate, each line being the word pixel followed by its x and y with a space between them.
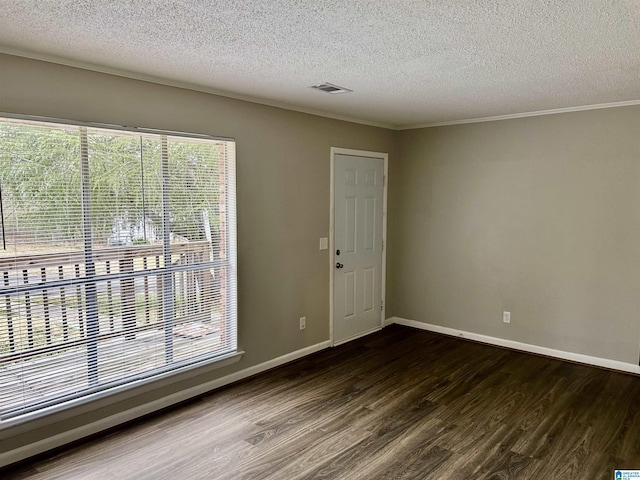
pixel 324 243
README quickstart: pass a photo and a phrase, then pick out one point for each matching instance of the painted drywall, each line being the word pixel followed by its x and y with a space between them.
pixel 282 200
pixel 537 216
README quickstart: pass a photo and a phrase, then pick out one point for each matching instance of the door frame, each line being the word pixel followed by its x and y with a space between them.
pixel 332 252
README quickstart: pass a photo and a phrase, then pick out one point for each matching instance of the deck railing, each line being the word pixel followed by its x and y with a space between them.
pixel 45 306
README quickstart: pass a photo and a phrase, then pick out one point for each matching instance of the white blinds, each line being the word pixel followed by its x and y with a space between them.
pixel 117 260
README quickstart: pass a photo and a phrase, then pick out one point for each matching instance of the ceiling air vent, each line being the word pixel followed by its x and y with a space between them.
pixel 330 88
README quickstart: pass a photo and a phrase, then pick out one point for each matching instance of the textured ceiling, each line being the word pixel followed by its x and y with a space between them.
pixel 409 62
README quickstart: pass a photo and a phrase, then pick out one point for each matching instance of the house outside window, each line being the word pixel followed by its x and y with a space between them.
pixel 117 261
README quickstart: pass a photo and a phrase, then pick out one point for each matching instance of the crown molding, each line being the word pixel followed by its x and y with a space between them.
pixel 511 116
pixel 286 106
pixel 187 86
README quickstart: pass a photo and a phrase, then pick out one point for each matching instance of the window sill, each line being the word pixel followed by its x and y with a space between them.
pixel 72 408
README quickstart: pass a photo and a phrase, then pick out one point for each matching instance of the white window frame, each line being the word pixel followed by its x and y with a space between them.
pixel 138 385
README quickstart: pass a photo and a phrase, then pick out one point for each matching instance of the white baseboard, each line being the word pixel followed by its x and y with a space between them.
pixel 524 347
pixel 359 335
pixel 12 456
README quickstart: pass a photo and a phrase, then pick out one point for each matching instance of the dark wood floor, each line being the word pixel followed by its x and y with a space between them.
pixel 398 404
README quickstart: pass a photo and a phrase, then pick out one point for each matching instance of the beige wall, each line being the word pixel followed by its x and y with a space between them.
pixel 282 185
pixel 539 216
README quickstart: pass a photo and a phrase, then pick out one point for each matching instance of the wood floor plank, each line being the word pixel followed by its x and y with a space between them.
pixel 398 404
pixel 411 455
pixel 310 447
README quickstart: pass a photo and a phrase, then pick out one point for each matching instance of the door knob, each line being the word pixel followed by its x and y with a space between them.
pixel 339 265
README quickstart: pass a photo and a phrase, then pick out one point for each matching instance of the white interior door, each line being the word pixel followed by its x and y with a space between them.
pixel 358 235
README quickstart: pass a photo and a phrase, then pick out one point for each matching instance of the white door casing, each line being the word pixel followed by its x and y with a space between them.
pixel 358 238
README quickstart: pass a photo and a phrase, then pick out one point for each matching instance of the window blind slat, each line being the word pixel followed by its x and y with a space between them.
pixel 118 259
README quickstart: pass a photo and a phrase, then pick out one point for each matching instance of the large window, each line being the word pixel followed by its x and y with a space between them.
pixel 117 259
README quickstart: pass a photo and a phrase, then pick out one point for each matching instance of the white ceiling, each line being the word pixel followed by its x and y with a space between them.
pixel 409 62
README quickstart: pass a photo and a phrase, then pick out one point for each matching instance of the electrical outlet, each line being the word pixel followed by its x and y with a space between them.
pixel 303 323
pixel 506 317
